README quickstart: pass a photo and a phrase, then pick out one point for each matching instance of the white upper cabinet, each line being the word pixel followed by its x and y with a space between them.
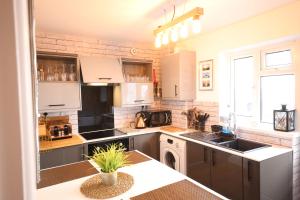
pixel 178 76
pixel 101 69
pixel 133 94
pixel 55 97
pixel 58 82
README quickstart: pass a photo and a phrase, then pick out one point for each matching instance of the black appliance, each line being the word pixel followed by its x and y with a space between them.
pixel 92 141
pixel 156 118
pixel 97 108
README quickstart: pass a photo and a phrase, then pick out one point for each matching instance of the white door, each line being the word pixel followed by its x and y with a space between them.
pixel 59 96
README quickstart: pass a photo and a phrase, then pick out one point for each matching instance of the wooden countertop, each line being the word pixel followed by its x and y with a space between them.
pixel 48 145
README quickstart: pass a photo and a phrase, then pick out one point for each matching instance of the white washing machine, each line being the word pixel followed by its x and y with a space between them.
pixel 173 152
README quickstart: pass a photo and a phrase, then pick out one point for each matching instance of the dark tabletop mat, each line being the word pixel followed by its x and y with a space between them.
pixel 182 190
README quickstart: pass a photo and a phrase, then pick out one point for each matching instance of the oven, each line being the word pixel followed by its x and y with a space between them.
pixel 90 147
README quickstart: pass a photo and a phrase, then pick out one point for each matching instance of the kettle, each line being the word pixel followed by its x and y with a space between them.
pixel 140 119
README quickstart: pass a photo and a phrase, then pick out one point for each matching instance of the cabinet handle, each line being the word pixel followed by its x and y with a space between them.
pixel 138 100
pixel 248 170
pixel 176 90
pixel 104 78
pixel 53 105
pixel 213 158
pixel 204 155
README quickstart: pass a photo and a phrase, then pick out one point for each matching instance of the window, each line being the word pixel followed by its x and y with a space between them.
pixel 276 90
pixel 278 59
pixel 243 84
pixel 261 84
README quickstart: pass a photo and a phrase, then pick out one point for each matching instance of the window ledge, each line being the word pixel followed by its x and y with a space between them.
pixel 264 131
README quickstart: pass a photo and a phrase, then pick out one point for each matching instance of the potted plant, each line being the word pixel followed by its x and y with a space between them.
pixel 109 161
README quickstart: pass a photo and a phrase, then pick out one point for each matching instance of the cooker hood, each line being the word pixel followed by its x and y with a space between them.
pixel 101 70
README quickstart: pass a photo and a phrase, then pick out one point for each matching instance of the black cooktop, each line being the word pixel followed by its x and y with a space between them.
pixel 101 134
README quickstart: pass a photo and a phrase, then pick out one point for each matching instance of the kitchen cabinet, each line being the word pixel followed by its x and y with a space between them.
pixel 61 156
pixel 133 94
pixel 268 179
pixel 57 97
pixel 148 144
pixel 58 82
pixel 198 163
pixel 236 177
pixel 213 168
pixel 178 76
pixel 226 174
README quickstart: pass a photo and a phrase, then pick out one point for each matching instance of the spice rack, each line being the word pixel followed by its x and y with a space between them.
pixel 54 67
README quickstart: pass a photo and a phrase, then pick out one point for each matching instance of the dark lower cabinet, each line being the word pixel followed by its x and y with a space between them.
pixel 148 144
pixel 237 178
pixel 251 179
pixel 269 179
pixel 198 163
pixel 227 174
pixel 61 156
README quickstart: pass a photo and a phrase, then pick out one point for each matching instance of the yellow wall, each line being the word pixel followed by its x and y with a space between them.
pixel 274 24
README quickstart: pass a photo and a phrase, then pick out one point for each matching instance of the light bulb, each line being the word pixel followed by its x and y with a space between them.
pixel 174 35
pixel 183 31
pixel 165 38
pixel 196 25
pixel 157 41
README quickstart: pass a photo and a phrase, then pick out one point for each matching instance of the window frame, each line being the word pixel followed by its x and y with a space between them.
pixel 261 70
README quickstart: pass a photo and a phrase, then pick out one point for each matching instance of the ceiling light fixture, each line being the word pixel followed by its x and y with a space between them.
pixel 179 27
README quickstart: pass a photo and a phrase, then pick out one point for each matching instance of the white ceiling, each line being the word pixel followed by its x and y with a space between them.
pixel 135 20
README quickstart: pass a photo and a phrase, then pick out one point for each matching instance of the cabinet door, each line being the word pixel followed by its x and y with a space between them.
pixel 137 93
pixel 51 158
pixel 59 96
pixel 170 76
pixel 148 144
pixel 251 179
pixel 145 93
pixel 198 163
pixel 61 156
pixel 226 174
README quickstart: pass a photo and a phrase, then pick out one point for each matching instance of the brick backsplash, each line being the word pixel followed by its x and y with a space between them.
pixel 180 120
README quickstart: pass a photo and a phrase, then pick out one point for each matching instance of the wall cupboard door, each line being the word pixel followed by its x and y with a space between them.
pixel 178 76
pixel 170 76
pixel 58 96
pixel 133 94
pixel 148 144
pixel 226 174
pixel 198 163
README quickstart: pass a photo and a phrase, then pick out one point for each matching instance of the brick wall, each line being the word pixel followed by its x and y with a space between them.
pixel 80 45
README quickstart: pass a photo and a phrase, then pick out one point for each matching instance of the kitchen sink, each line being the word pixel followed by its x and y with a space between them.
pixel 221 140
pixel 242 145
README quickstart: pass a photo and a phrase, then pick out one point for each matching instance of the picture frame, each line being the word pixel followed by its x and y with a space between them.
pixel 205 75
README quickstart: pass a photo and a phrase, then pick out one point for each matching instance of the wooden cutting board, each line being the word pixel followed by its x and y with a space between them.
pixel 172 129
pixel 182 190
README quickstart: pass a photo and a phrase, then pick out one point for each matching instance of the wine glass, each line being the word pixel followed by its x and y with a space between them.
pixel 64 75
pixel 72 74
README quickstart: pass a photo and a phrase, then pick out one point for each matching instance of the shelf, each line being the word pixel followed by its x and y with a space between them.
pixel 58 81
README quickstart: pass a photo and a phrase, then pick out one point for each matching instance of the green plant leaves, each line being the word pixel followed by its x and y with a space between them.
pixel 111 159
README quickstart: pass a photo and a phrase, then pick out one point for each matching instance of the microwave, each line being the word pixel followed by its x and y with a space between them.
pixel 156 118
